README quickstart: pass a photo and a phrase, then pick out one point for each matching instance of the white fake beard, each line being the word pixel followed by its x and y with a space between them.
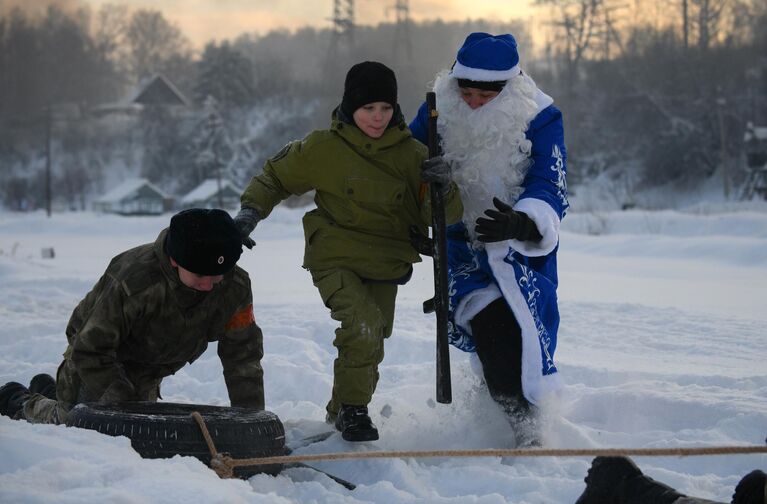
pixel 486 146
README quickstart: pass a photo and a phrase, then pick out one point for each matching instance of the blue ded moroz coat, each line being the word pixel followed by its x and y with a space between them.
pixel 524 273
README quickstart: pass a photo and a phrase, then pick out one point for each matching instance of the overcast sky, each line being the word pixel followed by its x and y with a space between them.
pixel 202 20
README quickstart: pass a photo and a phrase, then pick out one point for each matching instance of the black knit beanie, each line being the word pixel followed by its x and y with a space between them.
pixel 205 242
pixel 484 85
pixel 368 82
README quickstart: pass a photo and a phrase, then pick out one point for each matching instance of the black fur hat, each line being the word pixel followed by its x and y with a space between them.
pixel 205 242
pixel 368 82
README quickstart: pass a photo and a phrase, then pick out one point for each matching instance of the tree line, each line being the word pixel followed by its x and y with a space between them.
pixel 660 96
pixel 652 92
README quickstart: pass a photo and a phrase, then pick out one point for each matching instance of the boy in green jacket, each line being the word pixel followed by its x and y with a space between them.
pixel 370 190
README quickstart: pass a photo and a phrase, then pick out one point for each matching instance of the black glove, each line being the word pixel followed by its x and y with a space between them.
pixel 751 488
pixel 421 243
pixel 246 220
pixel 506 224
pixel 436 170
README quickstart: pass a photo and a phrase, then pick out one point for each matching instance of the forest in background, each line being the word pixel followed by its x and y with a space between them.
pixel 653 93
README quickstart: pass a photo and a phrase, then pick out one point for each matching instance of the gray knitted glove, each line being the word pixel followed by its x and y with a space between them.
pixel 246 220
pixel 436 170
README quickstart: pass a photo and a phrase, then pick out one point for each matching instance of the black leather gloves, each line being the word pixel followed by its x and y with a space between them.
pixel 436 170
pixel 246 220
pixel 421 243
pixel 506 224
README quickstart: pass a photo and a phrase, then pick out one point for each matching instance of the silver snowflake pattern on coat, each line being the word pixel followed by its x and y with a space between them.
pixel 456 335
pixel 528 284
pixel 559 168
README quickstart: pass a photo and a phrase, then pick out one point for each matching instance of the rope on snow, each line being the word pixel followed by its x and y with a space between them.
pixel 224 465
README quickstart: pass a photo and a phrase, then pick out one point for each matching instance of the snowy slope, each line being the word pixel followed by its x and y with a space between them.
pixel 662 344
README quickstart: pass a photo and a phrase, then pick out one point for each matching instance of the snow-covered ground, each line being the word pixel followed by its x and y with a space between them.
pixel 662 344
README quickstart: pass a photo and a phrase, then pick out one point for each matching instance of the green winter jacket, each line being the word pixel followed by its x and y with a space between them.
pixel 140 324
pixel 368 193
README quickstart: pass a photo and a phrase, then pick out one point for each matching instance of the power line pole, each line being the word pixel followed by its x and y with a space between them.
pixel 685 24
pixel 214 147
pixel 342 36
pixel 48 154
pixel 341 41
pixel 402 40
pixel 214 128
pixel 720 104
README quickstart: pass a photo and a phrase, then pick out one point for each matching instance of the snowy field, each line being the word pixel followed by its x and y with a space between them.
pixel 662 344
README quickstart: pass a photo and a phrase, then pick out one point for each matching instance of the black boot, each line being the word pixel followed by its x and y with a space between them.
pixel 641 489
pixel 524 421
pixel 355 424
pixel 43 384
pixel 603 478
pixel 617 480
pixel 752 489
pixel 499 347
pixel 527 428
pixel 13 395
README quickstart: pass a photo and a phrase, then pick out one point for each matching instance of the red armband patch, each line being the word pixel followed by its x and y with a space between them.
pixel 242 318
pixel 422 192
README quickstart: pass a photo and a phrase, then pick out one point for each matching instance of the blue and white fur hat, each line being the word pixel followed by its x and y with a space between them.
pixel 487 58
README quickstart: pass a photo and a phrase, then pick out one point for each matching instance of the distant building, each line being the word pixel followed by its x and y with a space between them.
pixel 157 90
pixel 135 196
pixel 755 142
pixel 755 139
pixel 206 195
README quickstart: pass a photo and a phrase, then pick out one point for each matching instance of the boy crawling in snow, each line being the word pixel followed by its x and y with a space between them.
pixel 156 308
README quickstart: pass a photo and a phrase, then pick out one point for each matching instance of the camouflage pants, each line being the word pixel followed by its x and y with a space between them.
pixel 40 409
pixel 366 313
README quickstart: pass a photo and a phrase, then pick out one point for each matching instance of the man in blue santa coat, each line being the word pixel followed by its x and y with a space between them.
pixel 503 141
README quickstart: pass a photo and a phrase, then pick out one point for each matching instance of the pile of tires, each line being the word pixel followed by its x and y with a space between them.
pixel 162 430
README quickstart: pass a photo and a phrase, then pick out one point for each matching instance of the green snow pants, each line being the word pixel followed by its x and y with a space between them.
pixel 366 313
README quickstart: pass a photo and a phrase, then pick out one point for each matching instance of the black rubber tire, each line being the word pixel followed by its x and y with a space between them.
pixel 162 430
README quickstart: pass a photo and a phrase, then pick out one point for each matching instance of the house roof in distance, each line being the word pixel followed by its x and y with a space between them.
pixel 207 189
pixel 758 133
pixel 157 90
pixel 128 187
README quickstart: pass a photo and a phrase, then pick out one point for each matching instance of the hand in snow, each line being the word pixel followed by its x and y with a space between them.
pixel 506 224
pixel 246 220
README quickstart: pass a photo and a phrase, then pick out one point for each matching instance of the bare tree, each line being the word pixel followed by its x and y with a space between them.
pixel 110 29
pixel 152 41
pixel 686 23
pixel 585 26
pixel 710 13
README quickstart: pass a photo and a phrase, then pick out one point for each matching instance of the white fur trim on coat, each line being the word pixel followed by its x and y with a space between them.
pixel 536 387
pixel 480 74
pixel 542 100
pixel 473 303
pixel 546 220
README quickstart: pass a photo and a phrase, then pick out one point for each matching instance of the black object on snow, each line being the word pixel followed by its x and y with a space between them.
pixel 310 440
pixel 43 384
pixel 355 424
pixel 162 430
pixel 12 398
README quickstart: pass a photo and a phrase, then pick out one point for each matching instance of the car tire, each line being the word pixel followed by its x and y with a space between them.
pixel 163 430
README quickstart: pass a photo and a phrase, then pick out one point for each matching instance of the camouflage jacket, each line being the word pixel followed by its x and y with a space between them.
pixel 368 193
pixel 140 324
